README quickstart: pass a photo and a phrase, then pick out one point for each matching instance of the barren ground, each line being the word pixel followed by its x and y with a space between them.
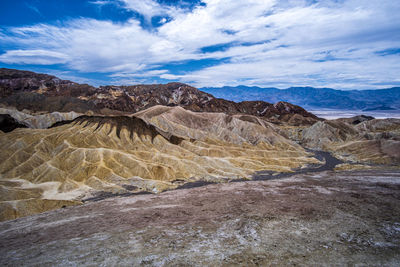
pixel 327 218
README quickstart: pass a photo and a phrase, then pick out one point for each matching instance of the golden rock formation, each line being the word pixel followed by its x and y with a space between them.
pixel 42 169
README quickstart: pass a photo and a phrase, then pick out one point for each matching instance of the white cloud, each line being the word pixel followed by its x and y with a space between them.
pixel 150 8
pixel 41 57
pixel 296 72
pixel 147 8
pixel 208 25
pixel 100 2
pixel 274 43
pixel 144 74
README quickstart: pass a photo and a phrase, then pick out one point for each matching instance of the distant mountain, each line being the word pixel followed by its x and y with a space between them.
pixel 314 98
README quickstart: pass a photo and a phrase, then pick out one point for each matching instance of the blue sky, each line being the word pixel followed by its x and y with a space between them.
pixel 344 44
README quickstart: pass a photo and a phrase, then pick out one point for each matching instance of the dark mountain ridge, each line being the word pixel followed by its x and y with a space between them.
pixel 41 92
pixel 315 98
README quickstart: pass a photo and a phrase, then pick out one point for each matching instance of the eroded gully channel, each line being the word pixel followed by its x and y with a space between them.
pixel 329 165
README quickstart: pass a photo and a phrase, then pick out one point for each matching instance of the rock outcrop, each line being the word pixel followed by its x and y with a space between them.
pixel 39 121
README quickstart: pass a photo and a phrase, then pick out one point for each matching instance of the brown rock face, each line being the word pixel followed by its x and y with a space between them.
pixel 40 92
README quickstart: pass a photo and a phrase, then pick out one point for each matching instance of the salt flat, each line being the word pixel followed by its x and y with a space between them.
pixel 331 114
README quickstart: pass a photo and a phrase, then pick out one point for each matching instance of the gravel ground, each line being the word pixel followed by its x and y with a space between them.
pixel 327 218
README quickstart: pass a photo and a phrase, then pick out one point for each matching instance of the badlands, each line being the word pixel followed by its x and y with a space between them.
pixel 169 175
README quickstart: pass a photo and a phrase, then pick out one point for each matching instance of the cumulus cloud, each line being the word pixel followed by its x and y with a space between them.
pixel 255 42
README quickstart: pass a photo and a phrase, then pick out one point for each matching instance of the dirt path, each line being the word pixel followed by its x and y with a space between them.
pixel 324 218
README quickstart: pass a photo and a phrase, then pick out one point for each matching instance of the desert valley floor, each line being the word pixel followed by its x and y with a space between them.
pixel 345 218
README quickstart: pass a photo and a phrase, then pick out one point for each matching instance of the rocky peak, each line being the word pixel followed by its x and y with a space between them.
pixel 23 74
pixel 12 81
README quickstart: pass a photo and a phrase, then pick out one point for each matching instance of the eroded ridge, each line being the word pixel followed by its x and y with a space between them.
pixel 42 169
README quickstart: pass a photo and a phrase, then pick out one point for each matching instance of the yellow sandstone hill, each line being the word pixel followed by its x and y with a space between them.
pixel 235 129
pixel 375 141
pixel 158 149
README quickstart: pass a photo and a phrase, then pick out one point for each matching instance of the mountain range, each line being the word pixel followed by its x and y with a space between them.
pixel 314 98
pixel 42 92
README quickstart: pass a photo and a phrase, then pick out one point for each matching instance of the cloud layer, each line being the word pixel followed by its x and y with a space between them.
pixel 340 44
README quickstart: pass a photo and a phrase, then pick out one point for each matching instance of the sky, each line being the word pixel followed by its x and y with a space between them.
pixel 342 44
